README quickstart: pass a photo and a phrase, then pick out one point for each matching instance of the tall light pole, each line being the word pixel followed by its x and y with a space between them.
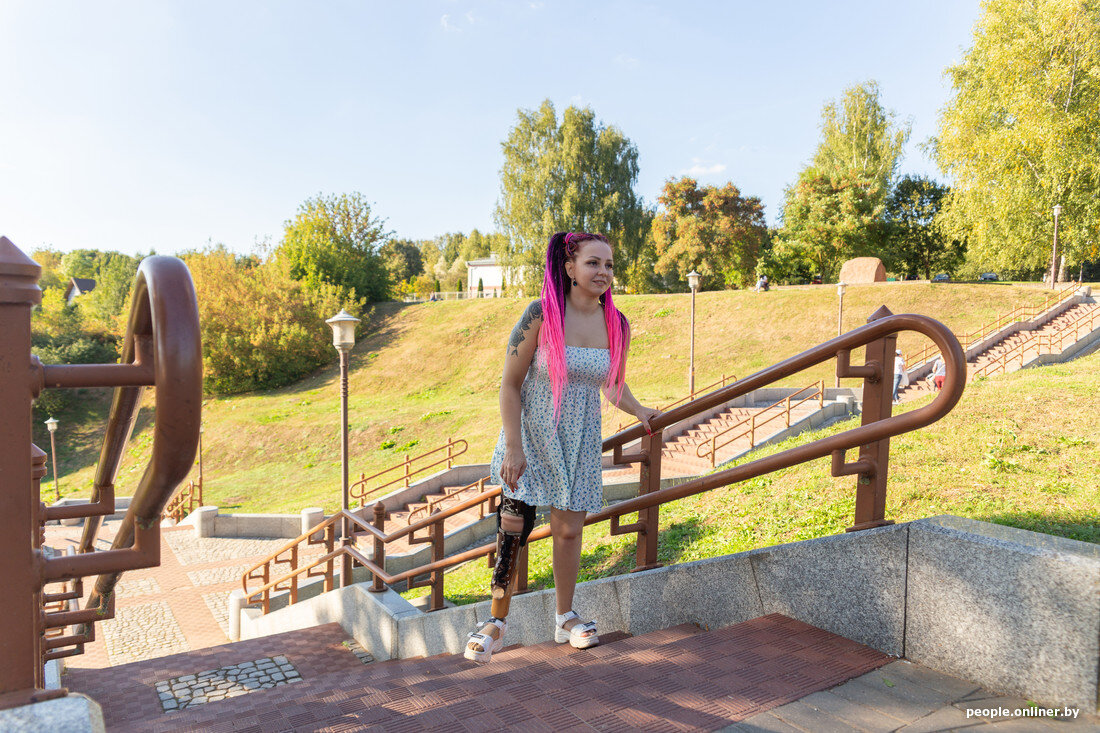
pixel 343 338
pixel 1054 254
pixel 839 316
pixel 51 425
pixel 693 283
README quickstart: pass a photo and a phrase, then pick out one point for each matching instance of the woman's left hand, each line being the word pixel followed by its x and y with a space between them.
pixel 645 415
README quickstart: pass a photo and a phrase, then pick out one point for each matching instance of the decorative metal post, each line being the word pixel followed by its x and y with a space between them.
pixel 21 632
pixel 1054 253
pixel 51 425
pixel 343 338
pixel 839 317
pixel 693 283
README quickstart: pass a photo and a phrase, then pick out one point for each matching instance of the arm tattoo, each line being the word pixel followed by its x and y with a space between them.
pixel 519 332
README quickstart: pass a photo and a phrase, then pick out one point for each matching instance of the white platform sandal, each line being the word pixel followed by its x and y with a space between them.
pixel 575 635
pixel 488 644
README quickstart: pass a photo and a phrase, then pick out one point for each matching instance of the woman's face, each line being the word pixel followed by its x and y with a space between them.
pixel 592 267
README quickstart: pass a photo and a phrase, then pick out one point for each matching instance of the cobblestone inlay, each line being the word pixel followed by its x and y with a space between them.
pixel 357 649
pixel 218 603
pixel 192 550
pixel 234 680
pixel 132 587
pixel 213 576
pixel 143 631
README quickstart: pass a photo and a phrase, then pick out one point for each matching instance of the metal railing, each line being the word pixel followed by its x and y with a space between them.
pixel 184 501
pixel 431 506
pixel 709 447
pixel 162 348
pixel 871 467
pixel 359 490
pixel 1019 313
pixel 1032 344
pixel 624 424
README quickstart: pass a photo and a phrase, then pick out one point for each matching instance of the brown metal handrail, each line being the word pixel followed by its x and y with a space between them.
pixel 710 446
pixel 162 348
pixel 1034 341
pixel 872 439
pixel 359 491
pixel 623 424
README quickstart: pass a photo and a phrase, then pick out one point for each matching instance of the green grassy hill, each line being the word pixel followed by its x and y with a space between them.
pixel 1021 450
pixel 425 372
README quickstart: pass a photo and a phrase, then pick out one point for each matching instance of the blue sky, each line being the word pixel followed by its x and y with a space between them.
pixel 141 125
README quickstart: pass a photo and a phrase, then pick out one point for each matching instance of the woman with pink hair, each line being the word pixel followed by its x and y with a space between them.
pixel 568 345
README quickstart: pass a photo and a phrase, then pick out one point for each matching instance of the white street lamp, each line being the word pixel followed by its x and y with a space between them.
pixel 693 283
pixel 51 425
pixel 1054 254
pixel 343 338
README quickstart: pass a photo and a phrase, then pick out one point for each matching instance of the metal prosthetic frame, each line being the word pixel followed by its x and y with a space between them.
pixel 509 544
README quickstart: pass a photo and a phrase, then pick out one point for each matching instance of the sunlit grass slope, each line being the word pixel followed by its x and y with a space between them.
pixel 1021 450
pixel 425 372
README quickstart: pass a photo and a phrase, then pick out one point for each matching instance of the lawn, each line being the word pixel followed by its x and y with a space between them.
pixel 423 373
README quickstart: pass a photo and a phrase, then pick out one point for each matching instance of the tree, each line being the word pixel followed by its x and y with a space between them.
pixel 576 176
pixel 834 218
pixel 260 329
pixel 334 240
pixel 402 259
pixel 917 244
pixel 835 209
pixel 713 230
pixel 1022 133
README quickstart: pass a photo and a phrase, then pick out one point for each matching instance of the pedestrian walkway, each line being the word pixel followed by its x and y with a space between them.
pixel 177 607
pixel 769 674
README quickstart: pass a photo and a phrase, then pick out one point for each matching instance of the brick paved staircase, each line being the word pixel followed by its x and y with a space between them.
pixel 677 678
pixel 446 497
pixel 1005 345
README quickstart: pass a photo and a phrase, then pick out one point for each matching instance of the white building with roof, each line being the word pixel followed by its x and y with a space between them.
pixel 489 272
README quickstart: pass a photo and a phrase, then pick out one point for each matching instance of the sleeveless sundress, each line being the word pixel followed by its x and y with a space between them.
pixel 563 461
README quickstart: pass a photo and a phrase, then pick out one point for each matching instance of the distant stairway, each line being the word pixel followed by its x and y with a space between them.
pixel 680 677
pixel 1024 347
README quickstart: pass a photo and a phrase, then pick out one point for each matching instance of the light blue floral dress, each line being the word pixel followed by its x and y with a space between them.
pixel 563 461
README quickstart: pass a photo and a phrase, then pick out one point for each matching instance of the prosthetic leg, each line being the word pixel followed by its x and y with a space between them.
pixel 504 576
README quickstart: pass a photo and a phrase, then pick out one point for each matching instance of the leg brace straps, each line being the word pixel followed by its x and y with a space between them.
pixel 509 544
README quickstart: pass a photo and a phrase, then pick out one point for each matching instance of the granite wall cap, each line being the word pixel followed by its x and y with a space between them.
pixel 1014 538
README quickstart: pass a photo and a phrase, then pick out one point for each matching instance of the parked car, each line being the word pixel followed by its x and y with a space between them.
pixel 988 277
pixel 943 277
pixel 816 280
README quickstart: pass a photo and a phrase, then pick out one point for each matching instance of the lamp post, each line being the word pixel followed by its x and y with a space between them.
pixel 839 316
pixel 51 425
pixel 1054 254
pixel 693 283
pixel 200 461
pixel 343 338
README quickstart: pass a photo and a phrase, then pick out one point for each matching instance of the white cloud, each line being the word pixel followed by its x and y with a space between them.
pixel 445 21
pixel 699 169
pixel 470 17
pixel 627 62
pixel 535 5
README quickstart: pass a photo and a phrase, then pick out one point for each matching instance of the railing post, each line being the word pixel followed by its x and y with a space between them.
pixel 20 635
pixel 379 546
pixel 450 461
pixel 877 405
pixel 408 465
pixel 437 555
pixel 649 480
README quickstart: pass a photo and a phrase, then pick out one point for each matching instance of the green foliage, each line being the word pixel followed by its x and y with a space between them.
pixel 787 263
pixel 60 335
pixel 1022 133
pixel 918 247
pixel 713 230
pixel 333 240
pixel 402 259
pixel 260 328
pixel 835 209
pixel 576 176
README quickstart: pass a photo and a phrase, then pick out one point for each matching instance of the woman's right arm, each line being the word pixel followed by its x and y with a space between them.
pixel 521 350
